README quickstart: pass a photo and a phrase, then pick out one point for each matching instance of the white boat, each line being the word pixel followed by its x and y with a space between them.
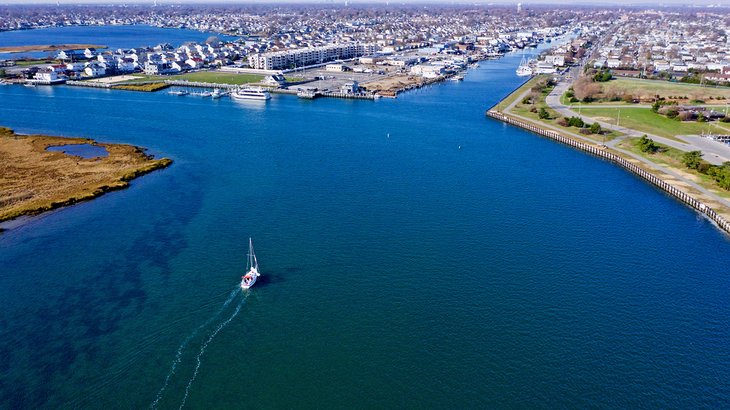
pixel 252 268
pixel 179 93
pixel 251 93
pixel 524 69
pixel 216 93
pixel 206 94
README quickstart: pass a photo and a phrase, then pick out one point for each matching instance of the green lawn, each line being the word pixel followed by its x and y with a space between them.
pixel 219 77
pixel 645 120
pixel 650 88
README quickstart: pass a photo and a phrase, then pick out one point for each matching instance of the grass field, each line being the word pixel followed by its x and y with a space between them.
pixel 641 88
pixel 218 77
pixel 672 158
pixel 645 120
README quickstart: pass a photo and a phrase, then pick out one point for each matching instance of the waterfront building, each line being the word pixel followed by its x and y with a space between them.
pixel 279 60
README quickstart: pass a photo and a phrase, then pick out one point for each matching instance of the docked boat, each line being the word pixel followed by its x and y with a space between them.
pixel 179 93
pixel 252 268
pixel 216 94
pixel 524 69
pixel 251 93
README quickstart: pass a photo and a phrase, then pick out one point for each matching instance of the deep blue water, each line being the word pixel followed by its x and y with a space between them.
pixel 81 150
pixel 397 272
pixel 112 36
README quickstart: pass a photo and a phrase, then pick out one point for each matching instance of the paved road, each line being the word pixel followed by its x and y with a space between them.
pixel 714 152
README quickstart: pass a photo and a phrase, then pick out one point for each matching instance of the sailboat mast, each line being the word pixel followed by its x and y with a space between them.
pixel 250 253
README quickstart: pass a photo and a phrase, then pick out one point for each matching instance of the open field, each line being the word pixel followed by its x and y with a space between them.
pixel 645 89
pixel 645 120
pixel 51 47
pixel 34 180
pixel 218 77
pixel 200 76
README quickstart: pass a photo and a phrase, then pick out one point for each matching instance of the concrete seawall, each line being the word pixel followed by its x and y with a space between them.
pixel 603 153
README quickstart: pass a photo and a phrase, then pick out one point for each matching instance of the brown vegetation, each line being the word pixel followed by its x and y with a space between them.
pixel 148 87
pixel 34 180
pixel 52 47
pixel 585 88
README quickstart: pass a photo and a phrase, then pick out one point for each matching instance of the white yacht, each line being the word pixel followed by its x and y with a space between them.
pixel 251 93
pixel 252 268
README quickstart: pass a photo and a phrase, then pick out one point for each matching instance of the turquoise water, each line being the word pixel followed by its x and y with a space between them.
pixel 397 272
pixel 112 36
pixel 81 150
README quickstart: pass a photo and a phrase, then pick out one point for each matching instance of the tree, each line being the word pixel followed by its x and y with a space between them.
pixel 692 159
pixel 721 174
pixel 595 128
pixel 576 122
pixel 602 76
pixel 543 114
pixel 585 89
pixel 647 145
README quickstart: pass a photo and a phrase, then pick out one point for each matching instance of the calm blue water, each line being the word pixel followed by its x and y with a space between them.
pixel 112 36
pixel 81 150
pixel 397 272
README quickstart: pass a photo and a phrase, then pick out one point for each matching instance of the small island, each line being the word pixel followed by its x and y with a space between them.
pixel 34 179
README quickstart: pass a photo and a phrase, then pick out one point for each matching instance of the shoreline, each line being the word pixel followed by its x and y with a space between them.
pixel 603 152
pixel 48 48
pixel 35 181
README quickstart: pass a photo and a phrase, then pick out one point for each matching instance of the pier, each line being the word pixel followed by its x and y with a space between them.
pixel 602 152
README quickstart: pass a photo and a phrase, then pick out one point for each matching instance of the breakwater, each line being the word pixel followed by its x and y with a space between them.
pixel 633 168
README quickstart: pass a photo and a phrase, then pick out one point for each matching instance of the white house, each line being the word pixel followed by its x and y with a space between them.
pixel 94 70
pixel 46 75
pixel 555 60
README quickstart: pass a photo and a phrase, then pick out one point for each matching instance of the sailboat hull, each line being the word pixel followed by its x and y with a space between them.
pixel 248 281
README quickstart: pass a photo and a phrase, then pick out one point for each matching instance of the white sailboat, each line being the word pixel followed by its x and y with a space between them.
pixel 252 268
pixel 524 69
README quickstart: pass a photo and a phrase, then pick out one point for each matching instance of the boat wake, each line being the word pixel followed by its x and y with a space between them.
pixel 205 346
pixel 184 344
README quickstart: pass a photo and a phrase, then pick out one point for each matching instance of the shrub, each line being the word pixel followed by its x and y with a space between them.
pixel 647 145
pixel 627 98
pixel 543 114
pixel 562 121
pixel 725 119
pixel 692 159
pixel 595 128
pixel 576 122
pixel 686 116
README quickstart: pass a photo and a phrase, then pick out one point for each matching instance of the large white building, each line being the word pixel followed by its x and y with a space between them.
pixel 280 60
